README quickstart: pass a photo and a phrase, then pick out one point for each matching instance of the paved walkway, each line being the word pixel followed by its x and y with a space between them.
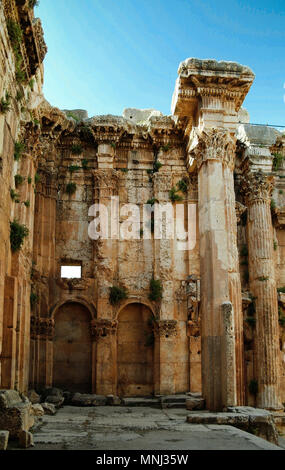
pixel 138 428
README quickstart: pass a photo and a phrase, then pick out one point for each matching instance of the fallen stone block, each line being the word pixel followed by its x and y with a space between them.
pixel 4 437
pixel 49 409
pixel 53 395
pixel 195 403
pixel 34 397
pixel 15 413
pixel 82 399
pixel 113 400
pixel 37 410
pixel 56 401
pixel 26 439
pixel 257 422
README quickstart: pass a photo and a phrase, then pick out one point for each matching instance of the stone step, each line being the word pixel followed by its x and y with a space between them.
pixel 174 399
pixel 178 404
pixel 140 401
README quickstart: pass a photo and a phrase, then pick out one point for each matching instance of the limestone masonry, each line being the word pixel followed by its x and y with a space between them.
pixel 144 318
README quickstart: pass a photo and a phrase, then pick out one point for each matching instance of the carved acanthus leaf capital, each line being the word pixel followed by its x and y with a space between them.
pixel 102 327
pixel 165 328
pixel 212 144
pixel 42 328
pixel 257 186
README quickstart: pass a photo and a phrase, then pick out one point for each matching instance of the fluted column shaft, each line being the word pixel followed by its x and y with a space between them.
pixel 220 282
pixel 258 189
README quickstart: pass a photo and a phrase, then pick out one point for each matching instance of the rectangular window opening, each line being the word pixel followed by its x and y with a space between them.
pixel 70 272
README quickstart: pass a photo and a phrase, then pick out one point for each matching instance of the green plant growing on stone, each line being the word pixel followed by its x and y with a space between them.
pixel 32 84
pixel 149 171
pixel 281 316
pixel 117 294
pixel 277 161
pixel 253 387
pixel 15 32
pixel 165 148
pixel 19 148
pixel 156 166
pixel 281 191
pixel 5 103
pixel 33 299
pixel 273 205
pixel 156 290
pixel 76 149
pixel 113 145
pixel 19 95
pixel 183 185
pixel 84 164
pixel 275 245
pixel 73 168
pixel 14 195
pixel 19 179
pixel 70 188
pixel 29 180
pixel 27 203
pixel 152 201
pixel 124 170
pixel 263 278
pixel 37 178
pixel 281 289
pixel 18 232
pixel 173 196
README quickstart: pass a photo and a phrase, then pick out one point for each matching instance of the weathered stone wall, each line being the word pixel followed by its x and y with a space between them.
pixel 20 92
pixel 232 323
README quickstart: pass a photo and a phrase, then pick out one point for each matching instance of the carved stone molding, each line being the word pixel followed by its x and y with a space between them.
pixel 106 179
pixel 101 328
pixel 42 328
pixel 165 328
pixel 212 144
pixel 240 210
pixel 194 328
pixel 257 186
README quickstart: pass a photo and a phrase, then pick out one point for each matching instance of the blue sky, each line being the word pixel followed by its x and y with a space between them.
pixel 105 55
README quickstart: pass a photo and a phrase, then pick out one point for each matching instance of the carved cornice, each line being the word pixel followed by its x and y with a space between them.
pixel 165 328
pixel 33 46
pixel 100 328
pixel 212 144
pixel 257 186
pixel 42 328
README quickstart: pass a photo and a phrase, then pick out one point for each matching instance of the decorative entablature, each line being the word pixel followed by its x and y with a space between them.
pixel 101 328
pixel 255 143
pixel 211 144
pixel 42 328
pixel 33 46
pixel 218 87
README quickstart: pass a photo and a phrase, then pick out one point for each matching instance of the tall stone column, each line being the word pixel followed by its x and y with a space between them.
pixel 257 187
pixel 214 151
pixel 103 332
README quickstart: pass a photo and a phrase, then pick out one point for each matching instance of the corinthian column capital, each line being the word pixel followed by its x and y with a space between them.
pixel 212 144
pixel 257 186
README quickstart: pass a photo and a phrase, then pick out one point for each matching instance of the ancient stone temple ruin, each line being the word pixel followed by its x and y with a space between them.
pixel 141 316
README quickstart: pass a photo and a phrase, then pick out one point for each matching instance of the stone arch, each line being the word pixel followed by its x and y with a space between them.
pixel 79 300
pixel 135 349
pixel 72 346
